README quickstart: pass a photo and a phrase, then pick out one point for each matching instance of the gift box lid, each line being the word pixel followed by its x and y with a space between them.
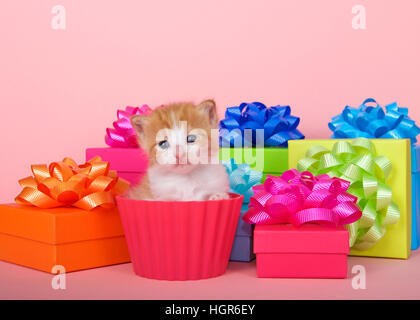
pixel 121 159
pixel 308 238
pixel 59 225
pixel 267 160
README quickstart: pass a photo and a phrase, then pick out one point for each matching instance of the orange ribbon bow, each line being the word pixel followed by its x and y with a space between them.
pixel 65 183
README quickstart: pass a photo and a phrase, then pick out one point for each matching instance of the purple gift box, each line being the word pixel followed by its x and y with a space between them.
pixel 243 242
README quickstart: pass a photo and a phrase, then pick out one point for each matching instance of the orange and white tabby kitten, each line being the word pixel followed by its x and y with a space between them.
pixel 183 161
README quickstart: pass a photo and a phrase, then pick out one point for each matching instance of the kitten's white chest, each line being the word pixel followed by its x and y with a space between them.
pixel 194 186
pixel 172 187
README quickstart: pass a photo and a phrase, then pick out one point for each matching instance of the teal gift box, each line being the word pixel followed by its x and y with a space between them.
pixel 370 120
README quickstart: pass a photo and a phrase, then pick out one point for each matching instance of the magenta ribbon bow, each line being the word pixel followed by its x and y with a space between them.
pixel 123 135
pixel 300 198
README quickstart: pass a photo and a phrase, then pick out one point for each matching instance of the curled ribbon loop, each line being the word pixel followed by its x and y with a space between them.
pixel 300 198
pixel 66 184
pixel 123 135
pixel 277 124
pixel 370 120
pixel 357 163
pixel 242 178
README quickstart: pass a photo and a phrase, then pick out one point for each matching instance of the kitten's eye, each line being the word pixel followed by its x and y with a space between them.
pixel 164 144
pixel 191 138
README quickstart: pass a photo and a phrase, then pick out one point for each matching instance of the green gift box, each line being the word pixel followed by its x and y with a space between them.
pixel 269 161
pixel 396 241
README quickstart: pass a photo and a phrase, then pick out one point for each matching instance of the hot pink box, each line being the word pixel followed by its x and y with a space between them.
pixel 308 251
pixel 130 163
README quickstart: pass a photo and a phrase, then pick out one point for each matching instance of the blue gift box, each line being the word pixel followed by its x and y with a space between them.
pixel 415 158
pixel 371 121
pixel 415 189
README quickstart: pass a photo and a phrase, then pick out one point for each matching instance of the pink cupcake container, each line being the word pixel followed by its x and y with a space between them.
pixel 177 240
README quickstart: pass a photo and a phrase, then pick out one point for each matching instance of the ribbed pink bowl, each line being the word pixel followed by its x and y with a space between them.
pixel 177 240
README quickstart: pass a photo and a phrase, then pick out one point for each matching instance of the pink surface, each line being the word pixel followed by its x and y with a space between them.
pixel 308 251
pixel 385 279
pixel 179 240
pixel 60 89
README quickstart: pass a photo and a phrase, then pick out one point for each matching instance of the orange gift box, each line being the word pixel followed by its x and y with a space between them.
pixel 74 238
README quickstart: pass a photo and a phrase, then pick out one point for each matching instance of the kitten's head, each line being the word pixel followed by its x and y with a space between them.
pixel 177 137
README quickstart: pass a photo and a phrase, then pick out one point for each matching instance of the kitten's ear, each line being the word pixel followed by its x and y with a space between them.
pixel 139 122
pixel 208 107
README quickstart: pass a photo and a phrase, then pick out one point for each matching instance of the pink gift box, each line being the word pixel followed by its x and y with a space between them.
pixel 130 163
pixel 308 251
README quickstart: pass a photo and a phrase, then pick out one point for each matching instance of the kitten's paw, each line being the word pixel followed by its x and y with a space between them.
pixel 219 196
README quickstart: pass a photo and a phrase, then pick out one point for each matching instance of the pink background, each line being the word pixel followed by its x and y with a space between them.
pixel 60 89
pixel 385 279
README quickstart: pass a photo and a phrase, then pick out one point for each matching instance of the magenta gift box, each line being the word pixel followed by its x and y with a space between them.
pixel 308 251
pixel 130 163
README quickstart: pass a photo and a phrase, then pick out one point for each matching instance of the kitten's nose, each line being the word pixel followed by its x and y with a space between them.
pixel 179 153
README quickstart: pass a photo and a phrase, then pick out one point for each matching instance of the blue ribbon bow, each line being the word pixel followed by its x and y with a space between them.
pixel 279 126
pixel 242 178
pixel 373 122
